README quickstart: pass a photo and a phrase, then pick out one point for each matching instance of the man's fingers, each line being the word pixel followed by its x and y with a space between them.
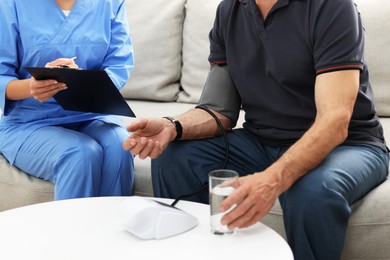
pixel 147 147
pixel 157 150
pixel 141 146
pixel 137 125
pixel 238 200
pixel 129 143
pixel 250 218
pixel 238 195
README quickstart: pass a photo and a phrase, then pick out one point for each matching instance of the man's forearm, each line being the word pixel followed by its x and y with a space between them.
pixel 335 95
pixel 308 152
pixel 198 124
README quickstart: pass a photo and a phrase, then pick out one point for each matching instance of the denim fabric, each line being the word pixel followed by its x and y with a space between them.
pixel 316 208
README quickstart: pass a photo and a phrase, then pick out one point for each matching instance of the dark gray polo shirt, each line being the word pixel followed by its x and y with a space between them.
pixel 274 64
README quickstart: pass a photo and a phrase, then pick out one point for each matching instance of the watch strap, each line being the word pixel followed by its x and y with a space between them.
pixel 176 123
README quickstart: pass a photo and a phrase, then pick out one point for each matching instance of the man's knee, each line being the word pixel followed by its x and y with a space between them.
pixel 312 199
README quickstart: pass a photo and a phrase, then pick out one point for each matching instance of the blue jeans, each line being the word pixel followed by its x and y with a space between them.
pixel 316 208
pixel 81 159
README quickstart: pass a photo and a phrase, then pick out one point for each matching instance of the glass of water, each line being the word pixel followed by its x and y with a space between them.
pixel 222 183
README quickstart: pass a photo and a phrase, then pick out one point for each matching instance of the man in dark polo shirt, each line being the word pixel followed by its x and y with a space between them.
pixel 310 138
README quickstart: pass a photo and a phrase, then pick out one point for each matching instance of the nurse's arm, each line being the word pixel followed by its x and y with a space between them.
pixel 41 90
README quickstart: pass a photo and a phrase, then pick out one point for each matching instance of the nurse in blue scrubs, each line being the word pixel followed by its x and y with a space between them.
pixel 81 153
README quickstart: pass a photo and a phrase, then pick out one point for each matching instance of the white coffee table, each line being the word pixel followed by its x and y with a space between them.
pixel 91 228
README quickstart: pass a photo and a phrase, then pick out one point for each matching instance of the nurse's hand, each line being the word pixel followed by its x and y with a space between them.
pixel 42 90
pixel 63 62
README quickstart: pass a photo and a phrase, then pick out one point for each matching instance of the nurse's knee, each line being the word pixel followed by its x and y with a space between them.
pixel 77 172
pixel 86 152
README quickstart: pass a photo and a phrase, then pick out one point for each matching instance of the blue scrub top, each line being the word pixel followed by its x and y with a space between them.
pixel 36 32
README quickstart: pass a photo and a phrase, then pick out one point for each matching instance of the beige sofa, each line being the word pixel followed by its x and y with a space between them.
pixel 171 49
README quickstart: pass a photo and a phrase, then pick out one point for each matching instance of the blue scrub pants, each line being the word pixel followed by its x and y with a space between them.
pixel 81 159
pixel 316 208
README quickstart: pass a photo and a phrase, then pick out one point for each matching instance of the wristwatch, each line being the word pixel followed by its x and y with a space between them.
pixel 176 123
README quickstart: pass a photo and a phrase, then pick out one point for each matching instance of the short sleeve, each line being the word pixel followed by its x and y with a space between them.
pixel 338 40
pixel 216 37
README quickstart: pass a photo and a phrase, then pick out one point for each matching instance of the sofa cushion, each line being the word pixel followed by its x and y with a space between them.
pixel 19 189
pixel 375 20
pixel 368 235
pixel 157 49
pixel 197 25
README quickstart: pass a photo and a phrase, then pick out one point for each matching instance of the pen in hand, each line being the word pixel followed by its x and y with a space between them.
pixel 63 63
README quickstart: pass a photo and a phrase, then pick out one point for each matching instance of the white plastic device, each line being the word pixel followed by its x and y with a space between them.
pixel 150 219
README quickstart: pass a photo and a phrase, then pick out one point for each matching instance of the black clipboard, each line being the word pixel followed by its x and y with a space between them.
pixel 88 90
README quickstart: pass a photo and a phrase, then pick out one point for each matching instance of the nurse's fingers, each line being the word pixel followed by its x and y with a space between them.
pixel 69 62
pixel 43 94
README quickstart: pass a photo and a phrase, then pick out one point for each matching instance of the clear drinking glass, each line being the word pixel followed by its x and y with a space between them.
pixel 222 183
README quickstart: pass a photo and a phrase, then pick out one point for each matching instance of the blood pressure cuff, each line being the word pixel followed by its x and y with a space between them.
pixel 220 94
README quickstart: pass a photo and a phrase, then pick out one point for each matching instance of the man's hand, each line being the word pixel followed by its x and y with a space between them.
pixel 254 197
pixel 149 137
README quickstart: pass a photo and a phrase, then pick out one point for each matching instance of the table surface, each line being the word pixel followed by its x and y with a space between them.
pixel 92 228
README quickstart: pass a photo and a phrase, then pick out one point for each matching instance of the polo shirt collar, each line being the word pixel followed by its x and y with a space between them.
pixel 278 4
pixel 281 1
